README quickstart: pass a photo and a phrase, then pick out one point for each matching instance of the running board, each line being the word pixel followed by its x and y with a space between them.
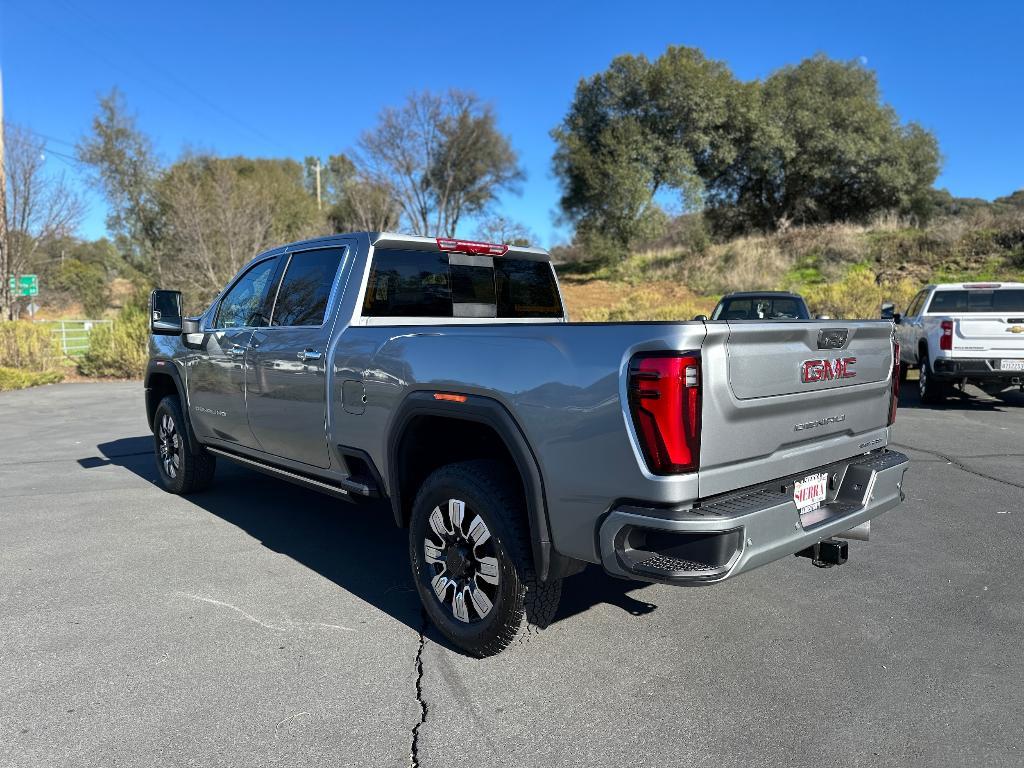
pixel 345 489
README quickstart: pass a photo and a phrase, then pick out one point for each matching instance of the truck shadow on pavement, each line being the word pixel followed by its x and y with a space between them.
pixel 356 546
pixel 972 399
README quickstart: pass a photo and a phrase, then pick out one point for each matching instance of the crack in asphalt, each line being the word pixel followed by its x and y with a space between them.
pixel 960 465
pixel 414 748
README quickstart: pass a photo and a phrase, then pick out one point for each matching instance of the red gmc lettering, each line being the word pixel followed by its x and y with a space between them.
pixel 827 370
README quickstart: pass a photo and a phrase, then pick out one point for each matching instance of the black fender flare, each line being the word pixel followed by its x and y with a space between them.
pixel 168 368
pixel 487 411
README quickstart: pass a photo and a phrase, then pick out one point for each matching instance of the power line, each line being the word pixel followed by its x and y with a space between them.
pixel 210 104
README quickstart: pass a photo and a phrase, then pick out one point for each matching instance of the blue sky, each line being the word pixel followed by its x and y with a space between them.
pixel 296 79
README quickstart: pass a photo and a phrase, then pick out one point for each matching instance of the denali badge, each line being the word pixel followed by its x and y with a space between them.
pixel 832 338
pixel 827 370
pixel 820 423
pixel 210 411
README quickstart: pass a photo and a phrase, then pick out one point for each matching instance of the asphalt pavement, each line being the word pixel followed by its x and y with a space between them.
pixel 261 624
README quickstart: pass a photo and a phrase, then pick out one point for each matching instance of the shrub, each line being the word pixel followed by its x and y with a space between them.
pixel 16 378
pixel 28 347
pixel 859 295
pixel 120 349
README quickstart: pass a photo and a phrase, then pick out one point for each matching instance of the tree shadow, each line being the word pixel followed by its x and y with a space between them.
pixel 356 546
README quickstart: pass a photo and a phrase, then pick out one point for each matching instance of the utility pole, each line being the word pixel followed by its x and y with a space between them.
pixel 5 286
pixel 319 207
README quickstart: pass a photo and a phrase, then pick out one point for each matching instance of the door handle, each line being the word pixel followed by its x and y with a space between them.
pixel 308 355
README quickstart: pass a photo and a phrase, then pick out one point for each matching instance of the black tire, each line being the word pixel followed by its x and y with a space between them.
pixel 517 601
pixel 931 390
pixel 904 370
pixel 181 469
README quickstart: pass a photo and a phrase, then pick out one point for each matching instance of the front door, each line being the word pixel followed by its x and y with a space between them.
pixel 216 377
pixel 287 374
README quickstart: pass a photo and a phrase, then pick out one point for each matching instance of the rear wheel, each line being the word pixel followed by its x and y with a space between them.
pixel 469 545
pixel 181 469
pixel 932 390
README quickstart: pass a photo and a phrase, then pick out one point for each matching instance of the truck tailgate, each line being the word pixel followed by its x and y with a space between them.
pixel 784 397
pixel 990 333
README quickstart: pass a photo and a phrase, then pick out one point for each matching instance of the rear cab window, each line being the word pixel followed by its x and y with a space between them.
pixel 761 308
pixel 948 301
pixel 425 284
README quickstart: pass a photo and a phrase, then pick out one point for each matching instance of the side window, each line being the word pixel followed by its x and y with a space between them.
pixel 242 306
pixel 526 288
pixel 408 284
pixel 306 287
pixel 916 305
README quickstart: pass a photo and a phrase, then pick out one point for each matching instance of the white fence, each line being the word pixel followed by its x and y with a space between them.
pixel 73 335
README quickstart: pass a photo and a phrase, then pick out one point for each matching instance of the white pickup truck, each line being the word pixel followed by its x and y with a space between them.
pixel 960 333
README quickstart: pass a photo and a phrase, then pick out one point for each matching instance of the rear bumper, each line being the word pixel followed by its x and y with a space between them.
pixel 976 369
pixel 737 532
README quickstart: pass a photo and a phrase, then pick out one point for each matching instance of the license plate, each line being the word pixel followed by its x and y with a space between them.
pixel 810 492
pixel 1011 365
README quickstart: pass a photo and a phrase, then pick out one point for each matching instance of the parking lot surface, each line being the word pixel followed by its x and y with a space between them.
pixel 261 624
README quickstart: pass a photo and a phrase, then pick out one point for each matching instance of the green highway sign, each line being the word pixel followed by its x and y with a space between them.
pixel 25 285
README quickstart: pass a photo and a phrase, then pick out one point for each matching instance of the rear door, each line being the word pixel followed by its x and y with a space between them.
pixel 287 378
pixel 782 397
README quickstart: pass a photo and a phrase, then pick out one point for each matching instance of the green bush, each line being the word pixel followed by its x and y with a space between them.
pixel 859 295
pixel 28 347
pixel 16 378
pixel 118 350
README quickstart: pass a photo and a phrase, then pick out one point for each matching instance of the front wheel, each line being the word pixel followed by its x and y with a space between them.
pixel 181 469
pixel 469 545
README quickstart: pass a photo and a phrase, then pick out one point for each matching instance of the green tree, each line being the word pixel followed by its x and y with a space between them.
pixel 87 283
pixel 813 143
pixel 637 133
pixel 353 201
pixel 832 151
pixel 125 169
pixel 220 212
pixel 441 157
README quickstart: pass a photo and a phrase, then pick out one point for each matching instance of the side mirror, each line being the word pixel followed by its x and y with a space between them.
pixel 888 310
pixel 897 317
pixel 165 313
pixel 700 317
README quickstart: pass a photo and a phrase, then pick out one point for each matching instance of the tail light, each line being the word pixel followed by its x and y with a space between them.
pixel 664 401
pixel 946 339
pixel 894 395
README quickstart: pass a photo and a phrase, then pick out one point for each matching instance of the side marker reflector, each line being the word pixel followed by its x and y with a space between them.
pixel 449 396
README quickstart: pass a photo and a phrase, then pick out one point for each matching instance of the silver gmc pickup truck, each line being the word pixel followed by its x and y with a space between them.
pixel 443 379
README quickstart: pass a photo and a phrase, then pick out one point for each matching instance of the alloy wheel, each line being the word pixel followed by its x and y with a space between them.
pixel 170 446
pixel 461 561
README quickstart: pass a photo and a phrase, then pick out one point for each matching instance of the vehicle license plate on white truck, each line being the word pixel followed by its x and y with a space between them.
pixel 810 492
pixel 1012 365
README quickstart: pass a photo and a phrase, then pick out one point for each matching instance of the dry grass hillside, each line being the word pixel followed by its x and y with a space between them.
pixel 844 270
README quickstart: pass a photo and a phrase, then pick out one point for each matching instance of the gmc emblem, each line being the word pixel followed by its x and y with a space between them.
pixel 827 370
